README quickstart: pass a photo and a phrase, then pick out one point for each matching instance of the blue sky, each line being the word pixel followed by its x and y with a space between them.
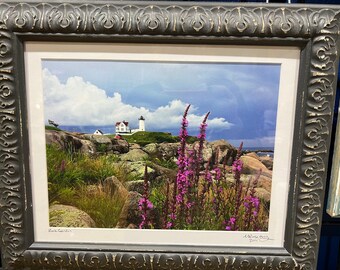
pixel 242 98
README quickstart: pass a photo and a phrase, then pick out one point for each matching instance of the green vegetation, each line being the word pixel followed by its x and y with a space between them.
pixel 145 137
pixel 102 207
pixel 70 169
pixel 77 179
pixel 102 147
pixel 52 128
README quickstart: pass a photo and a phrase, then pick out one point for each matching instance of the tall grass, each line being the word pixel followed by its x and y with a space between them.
pixel 77 179
pixel 99 202
pixel 70 169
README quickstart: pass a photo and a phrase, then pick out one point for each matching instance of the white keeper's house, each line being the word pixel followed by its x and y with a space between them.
pixel 123 127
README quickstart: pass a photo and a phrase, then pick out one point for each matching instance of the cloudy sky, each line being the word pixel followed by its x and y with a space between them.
pixel 241 98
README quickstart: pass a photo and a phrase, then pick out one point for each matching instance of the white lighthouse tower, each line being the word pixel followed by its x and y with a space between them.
pixel 141 123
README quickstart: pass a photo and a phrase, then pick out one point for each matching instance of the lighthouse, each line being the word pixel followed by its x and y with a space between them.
pixel 141 123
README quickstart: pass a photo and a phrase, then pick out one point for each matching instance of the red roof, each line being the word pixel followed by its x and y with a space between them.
pixel 125 123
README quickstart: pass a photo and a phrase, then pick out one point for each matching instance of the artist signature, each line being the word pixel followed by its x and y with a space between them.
pixel 59 230
pixel 257 238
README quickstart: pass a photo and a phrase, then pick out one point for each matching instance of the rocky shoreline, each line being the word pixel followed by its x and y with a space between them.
pixel 134 157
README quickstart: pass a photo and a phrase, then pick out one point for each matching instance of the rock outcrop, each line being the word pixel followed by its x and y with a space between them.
pixel 113 186
pixel 69 216
pixel 86 143
pixel 64 140
pixel 130 214
pixel 134 155
pixel 164 151
pixel 252 165
pixel 267 161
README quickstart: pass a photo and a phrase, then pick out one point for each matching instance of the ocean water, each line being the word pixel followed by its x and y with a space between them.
pixel 88 129
pixel 261 151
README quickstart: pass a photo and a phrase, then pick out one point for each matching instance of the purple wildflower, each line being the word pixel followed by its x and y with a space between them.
pixel 231 224
pixel 144 204
pixel 237 166
pixel 180 181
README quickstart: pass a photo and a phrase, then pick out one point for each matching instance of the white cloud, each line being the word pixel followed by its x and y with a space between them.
pixel 78 102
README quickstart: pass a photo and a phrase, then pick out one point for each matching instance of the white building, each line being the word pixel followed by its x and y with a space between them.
pixel 141 121
pixel 98 132
pixel 123 127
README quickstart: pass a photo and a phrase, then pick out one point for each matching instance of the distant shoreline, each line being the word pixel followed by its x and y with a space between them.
pixel 109 130
pixel 256 150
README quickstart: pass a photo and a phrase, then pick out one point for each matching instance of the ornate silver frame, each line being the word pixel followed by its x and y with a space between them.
pixel 315 29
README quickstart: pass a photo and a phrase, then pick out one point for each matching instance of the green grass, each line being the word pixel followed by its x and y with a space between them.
pixel 77 179
pixel 145 137
pixel 52 128
pixel 99 203
pixel 69 169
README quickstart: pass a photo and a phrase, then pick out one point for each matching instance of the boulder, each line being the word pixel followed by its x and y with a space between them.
pixel 223 150
pixel 262 194
pixel 265 183
pixel 152 149
pixel 134 155
pixel 63 140
pixel 98 139
pixel 87 147
pixel 138 169
pixel 134 146
pixel 69 216
pixel 267 161
pixel 244 179
pixel 164 151
pixel 253 155
pixel 137 186
pixel 112 186
pixel 217 151
pixel 162 174
pixel 55 137
pixel 120 146
pixel 168 150
pixel 207 152
pixel 252 165
pixel 130 215
pixel 102 142
pixel 222 145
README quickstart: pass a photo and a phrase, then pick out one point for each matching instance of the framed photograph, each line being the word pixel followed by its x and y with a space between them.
pixel 333 203
pixel 139 135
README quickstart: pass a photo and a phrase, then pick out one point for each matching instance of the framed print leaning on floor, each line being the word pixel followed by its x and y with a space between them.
pixel 161 136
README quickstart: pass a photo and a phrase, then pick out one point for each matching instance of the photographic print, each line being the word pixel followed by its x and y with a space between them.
pixel 160 145
pixel 164 135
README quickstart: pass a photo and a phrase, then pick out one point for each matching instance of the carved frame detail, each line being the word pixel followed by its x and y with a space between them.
pixel 315 29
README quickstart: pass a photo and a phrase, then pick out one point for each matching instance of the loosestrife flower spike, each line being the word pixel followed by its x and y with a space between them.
pixel 144 204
